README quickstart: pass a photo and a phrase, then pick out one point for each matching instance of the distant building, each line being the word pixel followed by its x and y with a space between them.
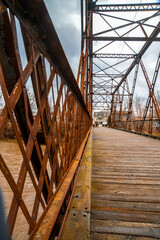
pixel 100 117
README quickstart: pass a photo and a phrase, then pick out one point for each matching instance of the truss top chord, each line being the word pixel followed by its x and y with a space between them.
pixel 111 55
pixel 125 7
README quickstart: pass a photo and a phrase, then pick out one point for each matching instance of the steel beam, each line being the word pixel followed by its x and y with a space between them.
pixel 109 94
pixel 112 55
pixel 140 54
pixel 108 75
pixel 127 39
pixel 125 7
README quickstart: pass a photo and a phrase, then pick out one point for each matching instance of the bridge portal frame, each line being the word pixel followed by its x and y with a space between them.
pixel 107 37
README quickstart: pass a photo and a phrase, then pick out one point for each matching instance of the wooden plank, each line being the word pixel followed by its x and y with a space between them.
pixel 136 206
pixel 97 180
pixel 102 236
pixel 126 176
pixel 125 198
pixel 104 174
pixel 126 228
pixel 125 215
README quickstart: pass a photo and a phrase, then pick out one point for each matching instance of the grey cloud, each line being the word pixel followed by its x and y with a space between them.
pixel 71 39
pixel 63 14
pixel 58 7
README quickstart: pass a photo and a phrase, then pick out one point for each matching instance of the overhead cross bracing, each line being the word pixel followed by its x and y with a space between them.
pixel 121 38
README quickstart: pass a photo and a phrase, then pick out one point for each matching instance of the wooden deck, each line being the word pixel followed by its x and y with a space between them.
pixel 125 199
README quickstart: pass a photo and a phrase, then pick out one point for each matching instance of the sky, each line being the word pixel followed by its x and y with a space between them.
pixel 66 19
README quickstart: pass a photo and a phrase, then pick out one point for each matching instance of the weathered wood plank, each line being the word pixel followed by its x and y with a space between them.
pixel 126 228
pixel 124 215
pixel 132 206
pixel 125 199
pixel 102 236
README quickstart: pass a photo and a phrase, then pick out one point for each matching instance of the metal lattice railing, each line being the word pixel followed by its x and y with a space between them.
pixel 42 102
pixel 150 126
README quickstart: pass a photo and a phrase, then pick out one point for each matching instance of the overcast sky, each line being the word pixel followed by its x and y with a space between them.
pixel 66 19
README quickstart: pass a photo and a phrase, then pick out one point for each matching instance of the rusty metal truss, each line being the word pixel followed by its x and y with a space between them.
pixel 118 44
pixel 124 7
pixel 51 126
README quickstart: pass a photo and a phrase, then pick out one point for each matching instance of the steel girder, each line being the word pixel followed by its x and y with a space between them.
pixel 118 44
pixel 124 7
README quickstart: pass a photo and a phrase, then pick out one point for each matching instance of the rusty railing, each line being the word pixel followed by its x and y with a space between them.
pixel 150 126
pixel 47 112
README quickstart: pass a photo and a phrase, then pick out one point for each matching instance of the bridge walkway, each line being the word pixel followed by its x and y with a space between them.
pixel 125 196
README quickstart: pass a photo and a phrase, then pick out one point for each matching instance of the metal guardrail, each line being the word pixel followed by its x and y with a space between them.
pixel 151 127
pixel 50 135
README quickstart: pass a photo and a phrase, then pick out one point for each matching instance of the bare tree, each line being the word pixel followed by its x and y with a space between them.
pixel 139 106
pixel 1 99
pixel 125 104
pixel 32 101
pixel 158 96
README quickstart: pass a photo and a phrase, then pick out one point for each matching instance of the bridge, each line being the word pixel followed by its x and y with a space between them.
pixel 86 182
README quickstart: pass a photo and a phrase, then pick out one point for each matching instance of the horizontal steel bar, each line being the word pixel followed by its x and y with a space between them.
pixel 100 102
pixel 139 133
pixel 105 55
pixel 102 86
pixel 96 103
pixel 105 108
pixel 133 39
pixel 109 94
pixel 108 75
pixel 125 7
pixel 41 28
